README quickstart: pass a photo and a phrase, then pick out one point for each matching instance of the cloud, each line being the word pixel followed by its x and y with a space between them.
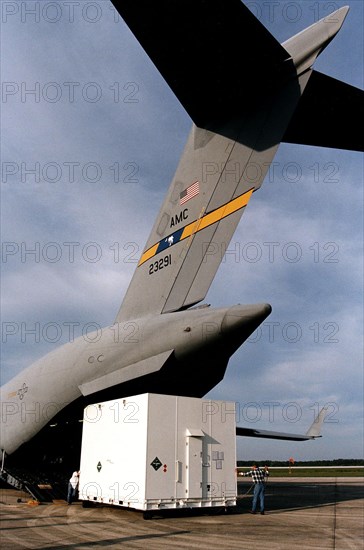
pixel 84 178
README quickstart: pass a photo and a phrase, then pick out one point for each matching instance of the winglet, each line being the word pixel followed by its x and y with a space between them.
pixel 315 428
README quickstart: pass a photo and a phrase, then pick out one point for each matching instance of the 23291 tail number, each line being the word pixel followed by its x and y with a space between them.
pixel 160 264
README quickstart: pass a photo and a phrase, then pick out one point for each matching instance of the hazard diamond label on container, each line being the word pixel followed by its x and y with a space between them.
pixel 156 463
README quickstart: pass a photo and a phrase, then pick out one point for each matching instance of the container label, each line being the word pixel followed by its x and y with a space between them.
pixel 156 463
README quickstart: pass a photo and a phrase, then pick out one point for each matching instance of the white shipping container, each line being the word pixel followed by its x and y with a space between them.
pixel 153 452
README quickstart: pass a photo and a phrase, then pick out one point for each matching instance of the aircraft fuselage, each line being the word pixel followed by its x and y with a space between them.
pixel 178 353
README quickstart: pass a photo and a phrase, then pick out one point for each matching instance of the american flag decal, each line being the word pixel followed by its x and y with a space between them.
pixel 189 193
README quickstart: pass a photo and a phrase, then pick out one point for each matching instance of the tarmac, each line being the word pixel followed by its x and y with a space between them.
pixel 309 513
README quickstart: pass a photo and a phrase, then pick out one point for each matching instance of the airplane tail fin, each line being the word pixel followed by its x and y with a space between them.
pixel 215 55
pixel 219 61
pixel 245 93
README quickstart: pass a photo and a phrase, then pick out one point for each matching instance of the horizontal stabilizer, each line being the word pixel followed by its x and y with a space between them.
pixel 146 366
pixel 213 54
pixel 329 114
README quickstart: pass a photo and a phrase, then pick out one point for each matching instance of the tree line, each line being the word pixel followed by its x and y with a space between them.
pixel 283 463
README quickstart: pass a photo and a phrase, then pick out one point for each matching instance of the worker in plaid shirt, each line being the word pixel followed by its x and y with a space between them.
pixel 258 476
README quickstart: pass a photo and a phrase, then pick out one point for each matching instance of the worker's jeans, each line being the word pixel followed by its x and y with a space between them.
pixel 71 493
pixel 259 489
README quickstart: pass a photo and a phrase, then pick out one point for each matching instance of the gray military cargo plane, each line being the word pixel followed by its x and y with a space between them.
pixel 161 340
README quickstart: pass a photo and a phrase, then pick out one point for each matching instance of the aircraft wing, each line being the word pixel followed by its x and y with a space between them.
pixel 250 432
pixel 312 433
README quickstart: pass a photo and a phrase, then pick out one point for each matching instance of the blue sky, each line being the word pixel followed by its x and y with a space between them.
pixel 91 137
